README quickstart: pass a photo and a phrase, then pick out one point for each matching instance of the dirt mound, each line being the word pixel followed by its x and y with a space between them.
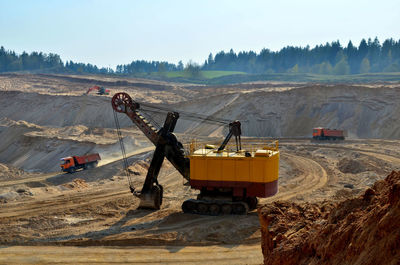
pixel 139 168
pixel 76 184
pixel 8 172
pixel 363 230
pixel 347 165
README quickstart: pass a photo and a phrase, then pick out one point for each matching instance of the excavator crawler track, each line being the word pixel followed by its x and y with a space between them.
pixel 214 207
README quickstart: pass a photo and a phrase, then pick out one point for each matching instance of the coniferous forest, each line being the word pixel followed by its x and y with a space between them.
pixel 369 56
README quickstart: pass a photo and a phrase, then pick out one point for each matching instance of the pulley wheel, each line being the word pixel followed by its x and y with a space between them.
pixel 121 101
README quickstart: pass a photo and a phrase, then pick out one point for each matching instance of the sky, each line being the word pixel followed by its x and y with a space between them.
pixel 108 33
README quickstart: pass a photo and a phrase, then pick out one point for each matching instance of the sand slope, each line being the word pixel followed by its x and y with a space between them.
pixel 364 112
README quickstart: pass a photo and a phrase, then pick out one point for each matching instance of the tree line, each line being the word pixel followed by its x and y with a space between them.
pixel 330 58
pixel 148 67
pixel 10 61
pixel 38 61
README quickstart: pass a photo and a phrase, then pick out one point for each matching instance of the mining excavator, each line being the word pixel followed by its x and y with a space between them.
pixel 229 180
pixel 100 90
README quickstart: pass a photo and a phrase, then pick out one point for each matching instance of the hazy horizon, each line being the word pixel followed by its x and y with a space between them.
pixel 107 33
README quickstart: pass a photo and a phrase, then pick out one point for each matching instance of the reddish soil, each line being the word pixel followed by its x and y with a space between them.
pixel 362 230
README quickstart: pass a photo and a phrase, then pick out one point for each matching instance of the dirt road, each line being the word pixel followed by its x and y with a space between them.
pixel 226 254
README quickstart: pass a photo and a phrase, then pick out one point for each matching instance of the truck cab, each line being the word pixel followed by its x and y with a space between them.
pixel 68 164
pixel 317 132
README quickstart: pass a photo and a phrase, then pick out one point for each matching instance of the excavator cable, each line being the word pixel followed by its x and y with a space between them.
pixel 183 114
pixel 191 117
pixel 151 119
pixel 124 158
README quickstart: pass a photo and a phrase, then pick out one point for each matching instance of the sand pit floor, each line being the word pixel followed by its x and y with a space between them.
pixel 101 215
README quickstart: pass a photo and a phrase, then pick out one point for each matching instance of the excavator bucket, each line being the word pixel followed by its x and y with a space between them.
pixel 151 199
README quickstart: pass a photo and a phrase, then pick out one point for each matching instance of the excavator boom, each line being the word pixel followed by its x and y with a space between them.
pixel 166 146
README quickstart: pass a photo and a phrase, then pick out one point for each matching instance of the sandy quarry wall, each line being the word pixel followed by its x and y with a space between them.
pixel 364 112
pixel 60 110
pixel 39 149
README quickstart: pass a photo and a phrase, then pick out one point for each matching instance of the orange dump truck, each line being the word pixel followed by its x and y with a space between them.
pixel 72 163
pixel 327 134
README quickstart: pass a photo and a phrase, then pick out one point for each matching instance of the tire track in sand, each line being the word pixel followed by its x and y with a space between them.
pixel 312 178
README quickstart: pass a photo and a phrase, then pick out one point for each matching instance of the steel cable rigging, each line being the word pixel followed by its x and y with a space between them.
pixel 146 109
pixel 184 114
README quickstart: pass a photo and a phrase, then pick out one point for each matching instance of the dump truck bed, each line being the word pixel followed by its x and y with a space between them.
pixel 87 158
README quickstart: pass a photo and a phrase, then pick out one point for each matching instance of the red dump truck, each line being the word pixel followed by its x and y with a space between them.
pixel 72 163
pixel 327 134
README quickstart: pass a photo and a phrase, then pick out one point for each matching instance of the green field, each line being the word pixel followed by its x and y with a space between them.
pixel 204 74
pixel 231 77
pixel 305 77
